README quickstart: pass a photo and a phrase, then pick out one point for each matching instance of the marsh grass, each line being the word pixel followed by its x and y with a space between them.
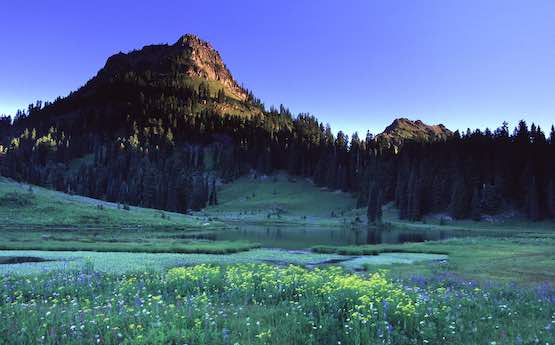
pixel 523 260
pixel 115 239
pixel 127 263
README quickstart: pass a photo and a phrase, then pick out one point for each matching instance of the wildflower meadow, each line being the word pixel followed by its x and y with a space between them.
pixel 265 304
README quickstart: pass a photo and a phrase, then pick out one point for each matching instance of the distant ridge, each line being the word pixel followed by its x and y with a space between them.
pixel 403 129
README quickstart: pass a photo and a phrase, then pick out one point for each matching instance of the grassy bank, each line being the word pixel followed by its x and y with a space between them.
pixel 211 247
pixel 500 259
pixel 513 225
pixel 264 304
pixel 35 218
pixel 114 239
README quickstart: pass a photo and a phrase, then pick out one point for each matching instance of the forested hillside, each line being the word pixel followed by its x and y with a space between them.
pixel 163 126
pixel 472 175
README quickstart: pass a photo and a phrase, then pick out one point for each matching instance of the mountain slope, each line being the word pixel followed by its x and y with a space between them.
pixel 155 127
pixel 188 78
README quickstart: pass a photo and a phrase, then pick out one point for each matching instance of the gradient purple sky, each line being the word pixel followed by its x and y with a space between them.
pixel 355 64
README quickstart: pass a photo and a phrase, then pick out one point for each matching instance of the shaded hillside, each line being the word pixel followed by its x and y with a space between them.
pixel 146 130
pixel 475 175
pixel 157 127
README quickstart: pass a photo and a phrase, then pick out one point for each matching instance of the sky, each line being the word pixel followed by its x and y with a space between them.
pixel 356 65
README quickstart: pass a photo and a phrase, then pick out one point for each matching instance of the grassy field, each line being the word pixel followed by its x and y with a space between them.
pixel 265 304
pixel 281 199
pixel 22 204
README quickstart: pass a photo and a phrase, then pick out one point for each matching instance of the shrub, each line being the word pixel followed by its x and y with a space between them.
pixel 14 199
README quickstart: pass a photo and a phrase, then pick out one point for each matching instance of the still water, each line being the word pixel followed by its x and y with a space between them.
pixel 301 237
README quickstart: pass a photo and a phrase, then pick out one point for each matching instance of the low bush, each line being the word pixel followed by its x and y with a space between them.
pixel 15 199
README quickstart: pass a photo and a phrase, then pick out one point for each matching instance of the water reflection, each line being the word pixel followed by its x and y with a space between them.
pixel 297 237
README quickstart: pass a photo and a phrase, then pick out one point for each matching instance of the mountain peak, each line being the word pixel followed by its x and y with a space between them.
pixel 188 38
pixel 206 63
pixel 190 56
pixel 195 45
pixel 403 129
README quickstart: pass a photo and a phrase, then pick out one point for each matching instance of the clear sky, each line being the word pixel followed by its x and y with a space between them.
pixel 355 64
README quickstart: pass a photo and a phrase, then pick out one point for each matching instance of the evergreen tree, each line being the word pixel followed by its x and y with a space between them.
pixel 459 199
pixel 414 197
pixel 533 203
pixel 379 204
pixel 374 209
pixel 221 96
pixel 475 209
pixel 490 202
pixel 551 198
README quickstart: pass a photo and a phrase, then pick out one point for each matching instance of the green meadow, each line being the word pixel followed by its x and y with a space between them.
pixel 281 198
pixel 76 270
pixel 22 204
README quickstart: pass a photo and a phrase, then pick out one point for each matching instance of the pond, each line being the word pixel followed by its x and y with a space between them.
pixel 302 237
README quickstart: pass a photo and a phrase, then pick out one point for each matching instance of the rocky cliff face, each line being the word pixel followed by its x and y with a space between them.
pixel 206 63
pixel 189 56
